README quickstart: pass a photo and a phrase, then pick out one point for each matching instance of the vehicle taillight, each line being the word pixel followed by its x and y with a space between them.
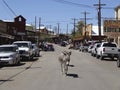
pixel 103 49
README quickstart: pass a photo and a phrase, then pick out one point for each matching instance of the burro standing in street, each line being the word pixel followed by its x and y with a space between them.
pixel 64 60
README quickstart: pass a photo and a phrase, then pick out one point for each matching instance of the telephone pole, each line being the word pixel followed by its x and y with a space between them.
pixel 74 23
pixel 39 29
pixel 67 30
pixel 35 26
pixel 58 25
pixel 85 14
pixel 99 17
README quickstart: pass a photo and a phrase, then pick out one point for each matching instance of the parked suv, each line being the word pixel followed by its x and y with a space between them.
pixel 25 49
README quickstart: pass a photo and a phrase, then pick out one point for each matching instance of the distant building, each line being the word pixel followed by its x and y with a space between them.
pixel 17 27
pixel 112 27
pixel 117 13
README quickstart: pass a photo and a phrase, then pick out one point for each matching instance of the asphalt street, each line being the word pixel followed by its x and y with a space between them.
pixel 44 73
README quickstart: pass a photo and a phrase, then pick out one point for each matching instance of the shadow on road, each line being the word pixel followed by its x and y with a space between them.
pixel 73 75
pixel 5 80
pixel 71 65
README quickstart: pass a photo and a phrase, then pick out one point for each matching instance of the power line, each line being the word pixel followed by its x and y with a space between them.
pixel 72 3
pixel 9 8
pixel 54 21
pixel 80 5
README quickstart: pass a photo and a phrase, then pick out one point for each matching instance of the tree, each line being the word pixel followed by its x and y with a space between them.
pixel 79 27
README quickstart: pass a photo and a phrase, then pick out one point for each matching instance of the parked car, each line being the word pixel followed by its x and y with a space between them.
pixel 36 50
pixel 63 43
pixel 94 49
pixel 9 54
pixel 107 49
pixel 25 49
pixel 90 48
pixel 84 47
pixel 43 46
pixel 50 47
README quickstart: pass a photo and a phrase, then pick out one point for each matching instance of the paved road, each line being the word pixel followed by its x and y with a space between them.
pixel 85 73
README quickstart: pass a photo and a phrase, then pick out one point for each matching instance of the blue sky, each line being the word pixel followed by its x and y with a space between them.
pixel 53 12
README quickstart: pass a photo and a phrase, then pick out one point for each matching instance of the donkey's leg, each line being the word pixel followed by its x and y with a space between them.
pixel 61 67
pixel 65 68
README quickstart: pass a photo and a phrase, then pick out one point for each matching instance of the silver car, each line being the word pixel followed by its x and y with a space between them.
pixel 25 49
pixel 36 50
pixel 9 54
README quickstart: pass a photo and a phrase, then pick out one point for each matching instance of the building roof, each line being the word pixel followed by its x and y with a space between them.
pixel 118 7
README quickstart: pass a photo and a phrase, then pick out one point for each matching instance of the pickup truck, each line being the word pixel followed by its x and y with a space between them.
pixel 107 49
pixel 25 49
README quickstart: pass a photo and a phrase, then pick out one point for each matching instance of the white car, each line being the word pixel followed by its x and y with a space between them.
pixel 90 48
pixel 25 49
pixel 107 49
pixel 9 54
pixel 94 49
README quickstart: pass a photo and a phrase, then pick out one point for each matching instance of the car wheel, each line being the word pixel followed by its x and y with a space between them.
pixel 29 58
pixel 112 58
pixel 118 63
pixel 97 56
pixel 101 57
pixel 38 55
pixel 18 62
pixel 91 54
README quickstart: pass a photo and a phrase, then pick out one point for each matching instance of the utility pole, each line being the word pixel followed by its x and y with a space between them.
pixel 67 30
pixel 58 24
pixel 39 23
pixel 39 29
pixel 74 23
pixel 35 27
pixel 85 14
pixel 99 17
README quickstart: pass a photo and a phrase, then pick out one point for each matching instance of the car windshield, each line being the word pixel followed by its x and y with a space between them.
pixel 7 49
pixel 21 44
pixel 109 45
pixel 34 46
